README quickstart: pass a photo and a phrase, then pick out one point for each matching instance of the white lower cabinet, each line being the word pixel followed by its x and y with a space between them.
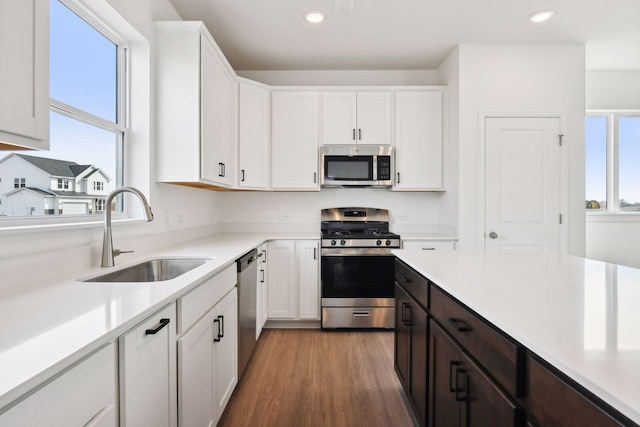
pixel 262 296
pixel 147 356
pixel 208 364
pixel 293 280
pixel 84 395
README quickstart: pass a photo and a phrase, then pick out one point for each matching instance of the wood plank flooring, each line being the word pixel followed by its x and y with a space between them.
pixel 310 377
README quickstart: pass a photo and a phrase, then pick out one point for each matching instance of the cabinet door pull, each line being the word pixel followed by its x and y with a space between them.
pixel 398 178
pixel 315 256
pixel 359 134
pixel 459 325
pixel 220 169
pixel 354 134
pixel 461 394
pixel 217 337
pixel 221 333
pixel 162 324
pixel 315 177
pixel 403 317
pixel 242 175
pixel 224 170
pixel 407 279
pixel 262 279
pixel 453 363
pixel 408 319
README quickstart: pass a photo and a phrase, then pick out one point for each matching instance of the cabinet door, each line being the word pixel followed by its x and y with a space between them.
pixel 226 352
pixel 147 356
pixel 374 118
pixel 418 131
pixel 308 267
pixel 253 138
pixel 339 125
pixel 402 345
pixel 226 123
pixel 294 141
pixel 83 395
pixel 445 365
pixel 483 403
pixel 418 385
pixel 210 163
pixel 282 298
pixel 24 86
pixel 195 373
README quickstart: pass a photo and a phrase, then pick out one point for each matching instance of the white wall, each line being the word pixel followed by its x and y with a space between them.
pixel 613 238
pixel 520 80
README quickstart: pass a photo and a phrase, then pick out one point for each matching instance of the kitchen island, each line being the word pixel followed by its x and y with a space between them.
pixel 579 316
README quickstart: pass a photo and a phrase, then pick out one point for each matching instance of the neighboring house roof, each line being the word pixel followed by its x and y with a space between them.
pixel 61 168
pixel 54 193
pixel 33 189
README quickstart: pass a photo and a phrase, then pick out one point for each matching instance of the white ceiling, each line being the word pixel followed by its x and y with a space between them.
pixel 409 34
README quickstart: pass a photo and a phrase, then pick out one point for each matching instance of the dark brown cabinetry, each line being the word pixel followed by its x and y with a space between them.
pixel 412 340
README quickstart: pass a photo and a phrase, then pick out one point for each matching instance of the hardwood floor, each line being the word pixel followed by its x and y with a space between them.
pixel 310 377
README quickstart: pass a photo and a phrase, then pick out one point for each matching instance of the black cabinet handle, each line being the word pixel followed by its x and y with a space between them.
pixel 461 394
pixel 403 317
pixel 359 133
pixel 162 324
pixel 459 325
pixel 220 169
pixel 453 363
pixel 407 279
pixel 315 177
pixel 354 134
pixel 262 280
pixel 398 177
pixel 242 174
pixel 224 170
pixel 315 256
pixel 408 320
pixel 221 333
pixel 217 337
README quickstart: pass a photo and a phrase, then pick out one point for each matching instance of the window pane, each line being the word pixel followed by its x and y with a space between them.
pixel 61 181
pixel 629 159
pixel 596 162
pixel 83 65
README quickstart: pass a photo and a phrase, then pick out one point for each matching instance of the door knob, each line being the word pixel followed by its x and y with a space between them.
pixel 493 235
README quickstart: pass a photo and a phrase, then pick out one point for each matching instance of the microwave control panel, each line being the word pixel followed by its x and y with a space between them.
pixel 384 168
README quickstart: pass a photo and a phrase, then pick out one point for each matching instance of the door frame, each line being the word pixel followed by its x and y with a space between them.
pixel 564 169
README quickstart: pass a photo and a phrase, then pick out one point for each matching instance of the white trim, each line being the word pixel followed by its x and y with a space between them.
pixel 84 116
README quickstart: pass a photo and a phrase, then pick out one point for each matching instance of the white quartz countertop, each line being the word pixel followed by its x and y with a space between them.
pixel 47 327
pixel 580 315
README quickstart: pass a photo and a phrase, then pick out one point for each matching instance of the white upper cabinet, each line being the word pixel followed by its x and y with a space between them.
pixel 294 140
pixel 356 118
pixel 418 130
pixel 196 99
pixel 254 131
pixel 24 74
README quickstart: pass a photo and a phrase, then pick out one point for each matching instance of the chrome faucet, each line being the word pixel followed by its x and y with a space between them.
pixel 108 253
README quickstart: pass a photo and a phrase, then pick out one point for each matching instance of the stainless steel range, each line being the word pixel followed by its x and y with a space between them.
pixel 357 268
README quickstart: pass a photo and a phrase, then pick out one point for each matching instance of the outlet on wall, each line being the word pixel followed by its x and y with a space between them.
pixel 403 216
pixel 283 216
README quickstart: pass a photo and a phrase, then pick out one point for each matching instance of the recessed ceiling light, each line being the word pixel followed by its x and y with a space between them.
pixel 541 15
pixel 314 17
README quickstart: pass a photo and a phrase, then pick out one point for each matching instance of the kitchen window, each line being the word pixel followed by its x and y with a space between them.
pixel 612 153
pixel 87 88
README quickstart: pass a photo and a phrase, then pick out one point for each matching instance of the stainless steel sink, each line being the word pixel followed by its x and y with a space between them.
pixel 154 270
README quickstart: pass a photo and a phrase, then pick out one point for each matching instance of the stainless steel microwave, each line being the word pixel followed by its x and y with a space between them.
pixel 356 166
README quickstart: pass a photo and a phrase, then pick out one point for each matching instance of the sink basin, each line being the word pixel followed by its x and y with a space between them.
pixel 154 270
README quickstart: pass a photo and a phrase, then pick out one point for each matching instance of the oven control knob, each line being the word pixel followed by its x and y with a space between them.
pixel 378 242
pixel 342 242
pixel 333 243
pixel 388 243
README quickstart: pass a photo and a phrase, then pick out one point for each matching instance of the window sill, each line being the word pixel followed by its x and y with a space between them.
pixel 21 227
pixel 613 217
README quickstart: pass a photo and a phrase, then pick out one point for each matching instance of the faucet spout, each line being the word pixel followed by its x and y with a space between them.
pixel 107 241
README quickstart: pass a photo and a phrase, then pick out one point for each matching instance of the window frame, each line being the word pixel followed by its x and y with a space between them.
pixel 612 164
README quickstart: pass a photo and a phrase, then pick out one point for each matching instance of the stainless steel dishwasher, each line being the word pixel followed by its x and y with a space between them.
pixel 247 289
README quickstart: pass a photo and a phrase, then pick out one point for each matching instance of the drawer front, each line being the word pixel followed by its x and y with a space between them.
pixel 428 245
pixel 553 402
pixel 413 283
pixel 499 356
pixel 193 305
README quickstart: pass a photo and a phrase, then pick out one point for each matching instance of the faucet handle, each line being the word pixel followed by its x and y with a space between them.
pixel 117 252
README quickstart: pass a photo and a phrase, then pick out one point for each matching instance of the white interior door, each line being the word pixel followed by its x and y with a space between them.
pixel 522 184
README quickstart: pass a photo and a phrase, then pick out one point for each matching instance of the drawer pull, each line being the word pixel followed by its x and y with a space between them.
pixel 217 338
pixel 459 325
pixel 162 324
pixel 428 249
pixel 407 279
pixel 361 313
